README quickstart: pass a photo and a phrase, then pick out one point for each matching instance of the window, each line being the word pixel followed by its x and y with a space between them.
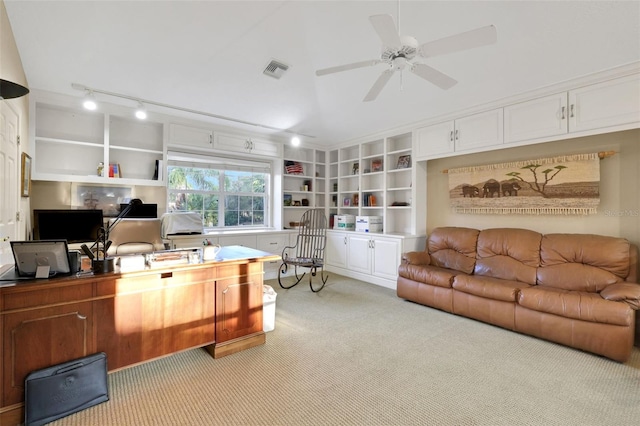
pixel 234 194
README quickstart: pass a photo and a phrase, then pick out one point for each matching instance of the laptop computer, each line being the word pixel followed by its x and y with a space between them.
pixel 34 257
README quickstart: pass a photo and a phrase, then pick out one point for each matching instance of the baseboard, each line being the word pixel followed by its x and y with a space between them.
pixel 383 282
pixel 218 350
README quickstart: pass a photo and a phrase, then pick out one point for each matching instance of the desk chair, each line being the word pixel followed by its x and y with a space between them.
pixel 131 236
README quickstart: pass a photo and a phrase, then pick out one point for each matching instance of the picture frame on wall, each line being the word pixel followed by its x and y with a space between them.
pixel 25 178
pixel 100 197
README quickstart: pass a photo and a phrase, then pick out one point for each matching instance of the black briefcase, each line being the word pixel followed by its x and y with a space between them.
pixel 63 389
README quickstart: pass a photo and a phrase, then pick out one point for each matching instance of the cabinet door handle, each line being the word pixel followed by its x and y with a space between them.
pixel 563 110
pixel 345 241
pixel 457 135
pixel 211 139
pixel 571 113
pixel 451 136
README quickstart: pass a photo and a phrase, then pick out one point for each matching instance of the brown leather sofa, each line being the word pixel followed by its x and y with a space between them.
pixel 578 290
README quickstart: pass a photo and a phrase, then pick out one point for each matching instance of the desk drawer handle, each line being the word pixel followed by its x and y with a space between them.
pixel 166 275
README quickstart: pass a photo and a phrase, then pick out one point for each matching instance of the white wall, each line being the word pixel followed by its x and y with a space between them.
pixel 619 211
pixel 11 69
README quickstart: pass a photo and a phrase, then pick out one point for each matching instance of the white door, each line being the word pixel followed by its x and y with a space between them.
pixel 479 130
pixel 538 118
pixel 386 257
pixel 336 249
pixel 8 180
pixel 610 103
pixel 359 258
pixel 434 140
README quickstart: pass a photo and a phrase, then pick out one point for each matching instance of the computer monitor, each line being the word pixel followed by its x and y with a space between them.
pixel 75 226
pixel 141 211
pixel 31 254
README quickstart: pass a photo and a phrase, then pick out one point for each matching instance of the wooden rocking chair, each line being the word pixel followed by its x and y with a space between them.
pixel 308 252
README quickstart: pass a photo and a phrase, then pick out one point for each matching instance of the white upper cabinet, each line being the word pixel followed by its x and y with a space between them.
pixel 597 106
pixel 434 140
pixel 611 103
pixel 479 130
pixel 466 133
pixel 247 145
pixel 198 137
pixel 538 118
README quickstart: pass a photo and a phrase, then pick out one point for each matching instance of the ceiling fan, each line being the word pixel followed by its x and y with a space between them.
pixel 399 52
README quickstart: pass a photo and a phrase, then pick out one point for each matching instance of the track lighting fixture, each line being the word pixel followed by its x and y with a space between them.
pixel 141 113
pixel 90 101
pixel 90 91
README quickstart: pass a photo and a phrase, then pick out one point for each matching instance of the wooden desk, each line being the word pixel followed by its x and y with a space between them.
pixel 133 317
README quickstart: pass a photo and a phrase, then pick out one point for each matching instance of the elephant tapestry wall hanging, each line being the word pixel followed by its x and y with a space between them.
pixel 560 185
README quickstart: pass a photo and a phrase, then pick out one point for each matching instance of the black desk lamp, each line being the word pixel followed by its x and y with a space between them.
pixel 106 264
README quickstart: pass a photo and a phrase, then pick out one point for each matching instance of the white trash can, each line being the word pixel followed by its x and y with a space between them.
pixel 268 308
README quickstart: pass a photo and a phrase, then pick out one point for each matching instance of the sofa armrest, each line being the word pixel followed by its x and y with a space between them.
pixel 416 258
pixel 623 292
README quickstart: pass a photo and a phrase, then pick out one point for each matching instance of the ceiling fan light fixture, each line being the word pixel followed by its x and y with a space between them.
pixel 89 101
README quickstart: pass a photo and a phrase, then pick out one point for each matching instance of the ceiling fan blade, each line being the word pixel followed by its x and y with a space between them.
pixel 347 67
pixel 378 85
pixel 434 76
pixel 475 38
pixel 386 29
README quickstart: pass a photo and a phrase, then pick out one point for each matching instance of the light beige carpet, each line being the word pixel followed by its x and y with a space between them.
pixel 357 354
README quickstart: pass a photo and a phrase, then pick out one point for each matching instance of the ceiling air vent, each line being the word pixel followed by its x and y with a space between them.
pixel 275 69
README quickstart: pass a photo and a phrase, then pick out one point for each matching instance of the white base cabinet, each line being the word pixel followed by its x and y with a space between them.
pixel 335 253
pixel 373 258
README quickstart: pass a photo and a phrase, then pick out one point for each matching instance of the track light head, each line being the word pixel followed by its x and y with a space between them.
pixel 90 101
pixel 141 113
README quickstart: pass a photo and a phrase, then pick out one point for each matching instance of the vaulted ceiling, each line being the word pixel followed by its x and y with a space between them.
pixel 209 56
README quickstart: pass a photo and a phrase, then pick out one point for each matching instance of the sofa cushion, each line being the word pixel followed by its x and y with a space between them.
pixel 488 287
pixel 582 262
pixel 453 248
pixel 428 274
pixel 510 254
pixel 578 305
